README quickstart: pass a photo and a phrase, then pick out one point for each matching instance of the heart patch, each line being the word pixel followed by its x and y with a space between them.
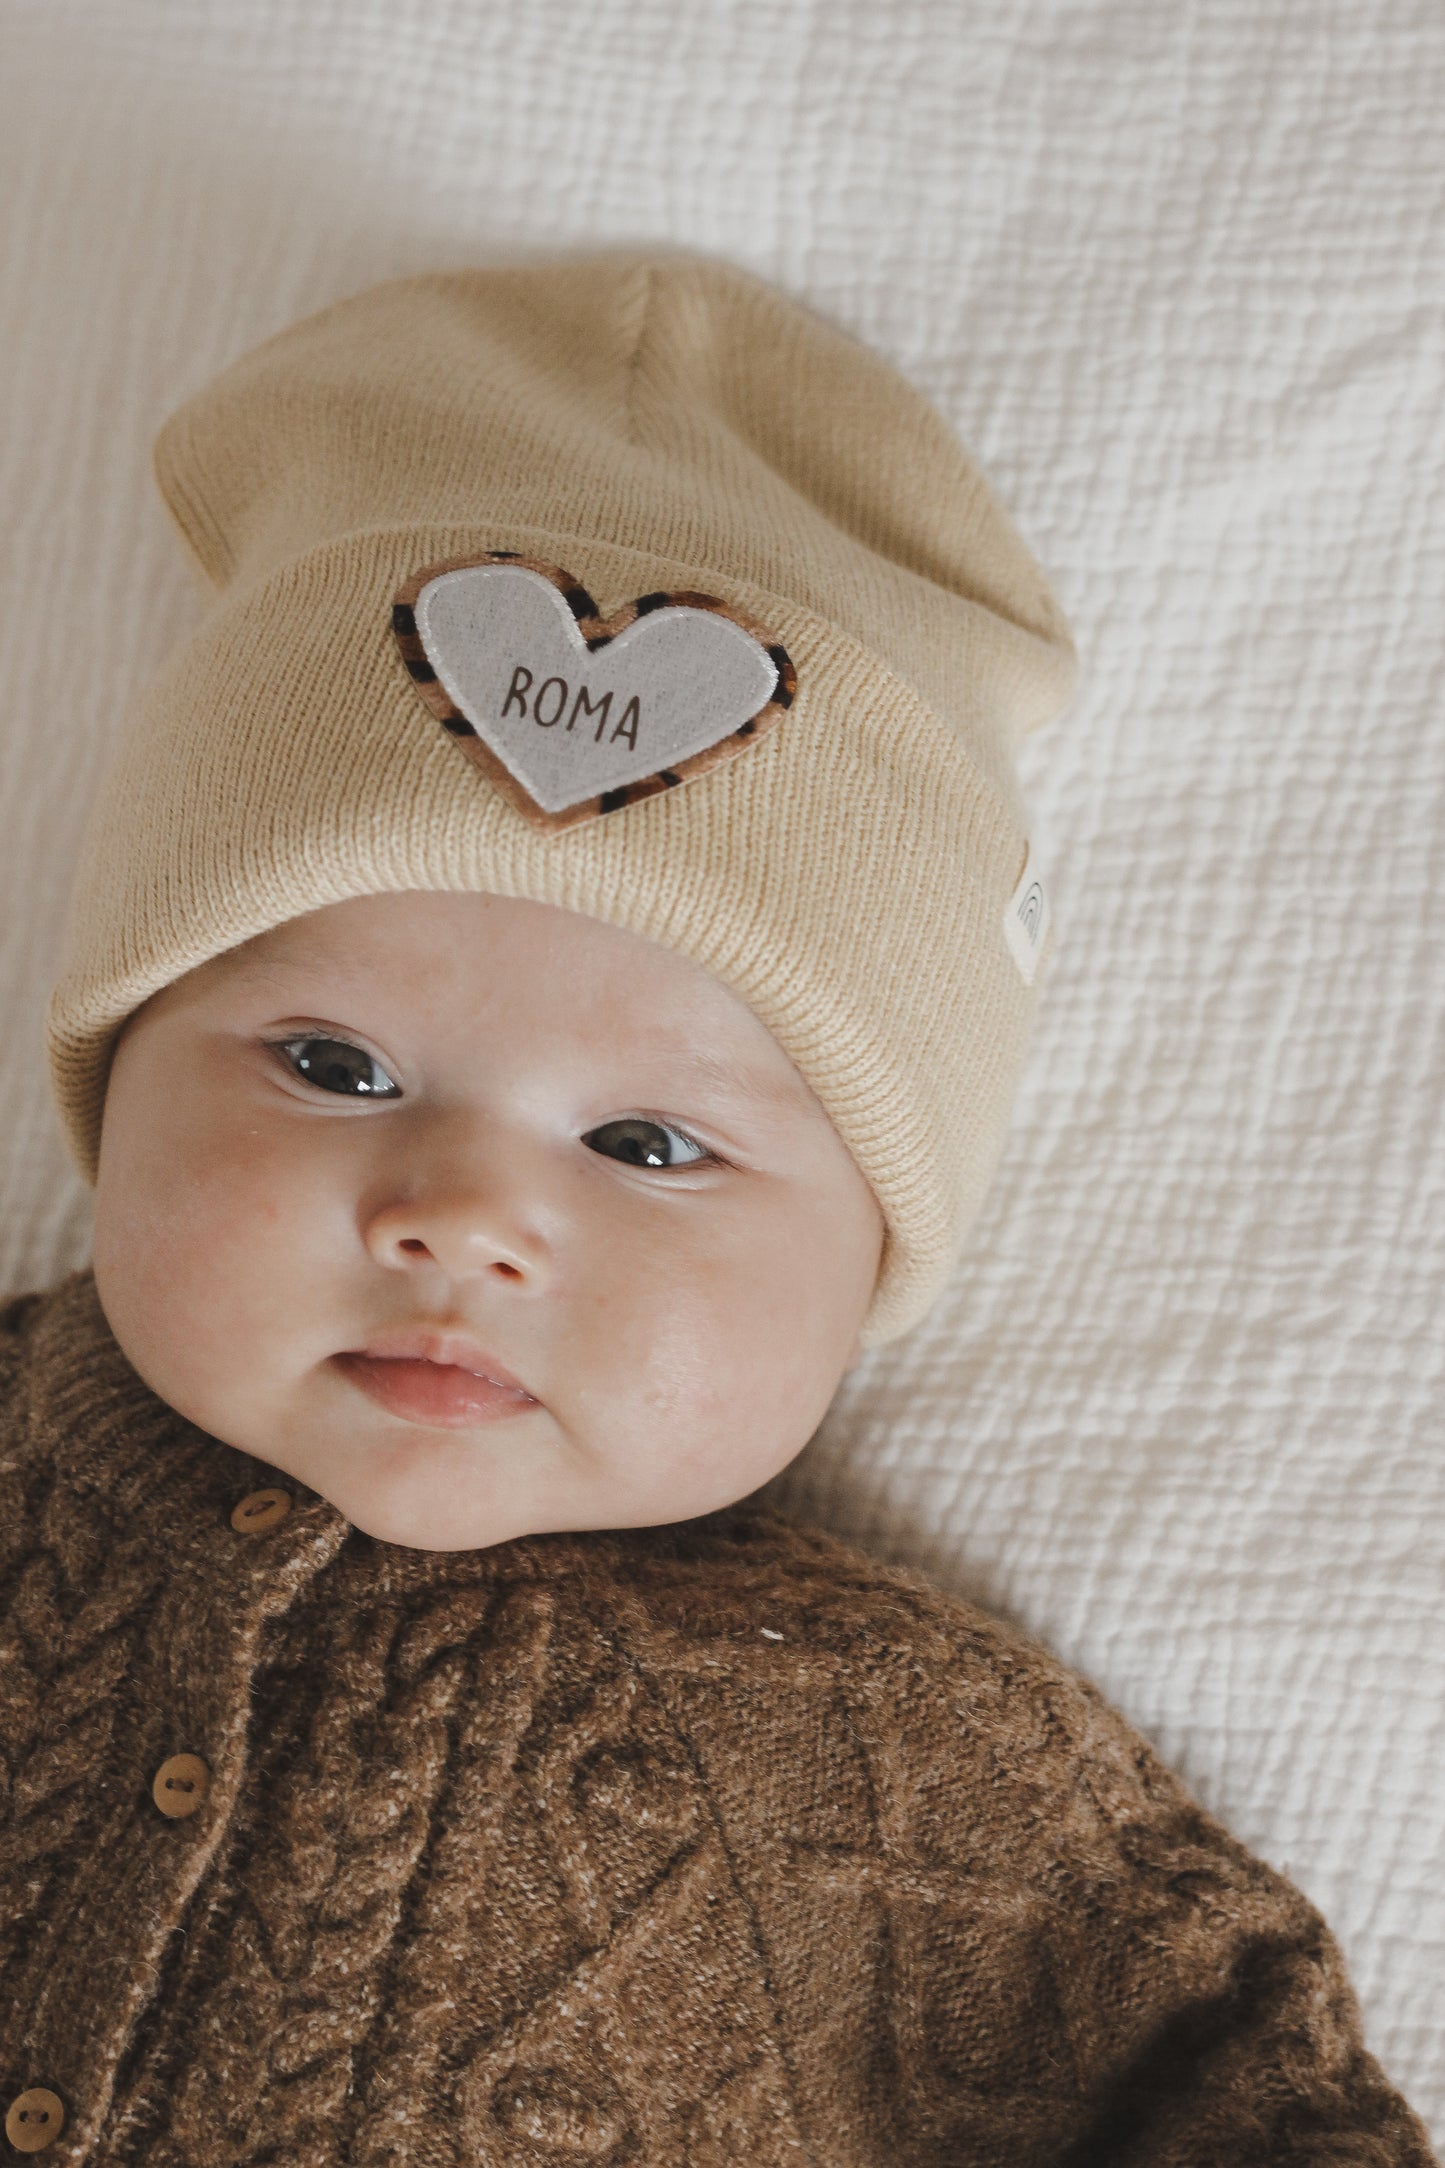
pixel 571 714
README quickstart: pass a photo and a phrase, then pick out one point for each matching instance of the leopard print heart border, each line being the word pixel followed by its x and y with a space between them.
pixel 571 714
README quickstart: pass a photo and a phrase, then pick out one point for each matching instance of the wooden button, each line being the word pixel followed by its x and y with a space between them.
pixel 181 1785
pixel 33 2120
pixel 260 1510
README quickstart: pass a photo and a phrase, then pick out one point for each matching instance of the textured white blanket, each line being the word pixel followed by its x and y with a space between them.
pixel 1176 275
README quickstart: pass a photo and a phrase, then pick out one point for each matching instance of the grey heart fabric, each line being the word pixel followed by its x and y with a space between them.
pixel 569 722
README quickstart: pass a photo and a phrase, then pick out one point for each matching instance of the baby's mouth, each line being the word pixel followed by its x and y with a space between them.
pixel 437 1343
pixel 445 1395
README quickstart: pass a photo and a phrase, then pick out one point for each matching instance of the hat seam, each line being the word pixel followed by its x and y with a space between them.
pixel 187 505
pixel 634 365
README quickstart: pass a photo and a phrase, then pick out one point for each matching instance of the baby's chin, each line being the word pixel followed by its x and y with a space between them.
pixel 425 1490
pixel 428 1523
pixel 420 1530
pixel 429 1490
pixel 424 1528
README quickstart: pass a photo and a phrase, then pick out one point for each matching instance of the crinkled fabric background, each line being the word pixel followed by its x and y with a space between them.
pixel 1175 274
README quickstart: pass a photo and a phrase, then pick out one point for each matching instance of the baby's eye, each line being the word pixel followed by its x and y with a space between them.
pixel 337 1066
pixel 644 1144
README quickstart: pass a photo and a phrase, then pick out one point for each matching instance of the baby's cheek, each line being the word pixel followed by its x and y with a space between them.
pixel 702 1387
pixel 195 1248
pixel 228 1226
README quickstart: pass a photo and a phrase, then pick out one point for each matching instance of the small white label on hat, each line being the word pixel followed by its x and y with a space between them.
pixel 1026 920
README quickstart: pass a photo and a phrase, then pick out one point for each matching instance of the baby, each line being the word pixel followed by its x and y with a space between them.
pixel 545 988
pixel 479 1217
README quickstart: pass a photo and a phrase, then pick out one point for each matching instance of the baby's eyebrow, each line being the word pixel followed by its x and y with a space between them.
pixel 260 967
pixel 789 1093
pixel 737 1080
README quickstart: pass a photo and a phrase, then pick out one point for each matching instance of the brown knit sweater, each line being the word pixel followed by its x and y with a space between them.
pixel 714 1844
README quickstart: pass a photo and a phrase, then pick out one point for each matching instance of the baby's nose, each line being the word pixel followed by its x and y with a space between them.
pixel 466 1236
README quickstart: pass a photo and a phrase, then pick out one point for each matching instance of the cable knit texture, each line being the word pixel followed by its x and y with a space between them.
pixel 699 1845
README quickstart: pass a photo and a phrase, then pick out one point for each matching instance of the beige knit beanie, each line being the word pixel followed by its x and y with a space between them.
pixel 629 584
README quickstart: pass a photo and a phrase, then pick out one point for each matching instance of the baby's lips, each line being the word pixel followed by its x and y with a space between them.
pixel 439 1344
pixel 444 1395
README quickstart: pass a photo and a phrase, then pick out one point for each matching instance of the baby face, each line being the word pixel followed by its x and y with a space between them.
pixel 481 1218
